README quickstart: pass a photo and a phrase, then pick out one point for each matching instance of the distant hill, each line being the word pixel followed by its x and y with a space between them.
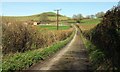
pixel 51 16
pixel 47 13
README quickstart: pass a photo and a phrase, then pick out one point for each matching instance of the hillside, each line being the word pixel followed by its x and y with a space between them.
pixel 50 15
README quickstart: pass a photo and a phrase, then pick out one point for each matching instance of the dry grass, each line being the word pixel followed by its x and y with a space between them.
pixel 86 26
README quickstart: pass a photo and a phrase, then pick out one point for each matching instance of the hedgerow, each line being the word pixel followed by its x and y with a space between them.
pixel 21 61
pixel 106 37
pixel 18 37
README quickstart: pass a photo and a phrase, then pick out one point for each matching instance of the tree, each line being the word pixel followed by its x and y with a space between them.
pixel 88 16
pixel 100 14
pixel 44 18
pixel 92 16
pixel 77 17
pixel 74 17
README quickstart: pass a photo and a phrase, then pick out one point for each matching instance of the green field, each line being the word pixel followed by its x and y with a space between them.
pixel 54 27
pixel 91 21
pixel 87 24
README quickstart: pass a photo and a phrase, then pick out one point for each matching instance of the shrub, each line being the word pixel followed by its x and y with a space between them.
pixel 19 61
pixel 106 37
pixel 18 37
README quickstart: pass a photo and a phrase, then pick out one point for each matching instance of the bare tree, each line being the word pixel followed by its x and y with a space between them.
pixel 100 14
pixel 78 17
pixel 74 17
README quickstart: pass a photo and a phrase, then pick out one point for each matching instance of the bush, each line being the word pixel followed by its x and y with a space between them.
pixel 106 37
pixel 19 61
pixel 18 37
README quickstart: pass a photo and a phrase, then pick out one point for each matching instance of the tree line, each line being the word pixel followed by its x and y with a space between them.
pixel 97 15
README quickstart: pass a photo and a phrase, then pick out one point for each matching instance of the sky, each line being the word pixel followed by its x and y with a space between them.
pixel 59 0
pixel 67 8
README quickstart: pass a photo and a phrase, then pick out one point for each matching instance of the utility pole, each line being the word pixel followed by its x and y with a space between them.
pixel 57 17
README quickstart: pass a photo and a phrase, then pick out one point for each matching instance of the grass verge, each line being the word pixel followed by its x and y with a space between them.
pixel 96 56
pixel 21 61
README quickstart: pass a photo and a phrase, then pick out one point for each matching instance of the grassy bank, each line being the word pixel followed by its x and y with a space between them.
pixel 96 56
pixel 20 61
